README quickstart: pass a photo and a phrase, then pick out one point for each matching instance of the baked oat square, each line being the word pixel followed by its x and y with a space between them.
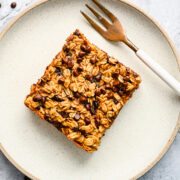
pixel 82 91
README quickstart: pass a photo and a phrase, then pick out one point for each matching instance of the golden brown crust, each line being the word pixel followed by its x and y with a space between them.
pixel 82 91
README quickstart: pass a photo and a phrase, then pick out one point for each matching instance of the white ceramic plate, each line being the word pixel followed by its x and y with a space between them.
pixel 141 134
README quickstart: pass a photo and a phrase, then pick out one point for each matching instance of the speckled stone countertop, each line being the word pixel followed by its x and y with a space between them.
pixel 167 13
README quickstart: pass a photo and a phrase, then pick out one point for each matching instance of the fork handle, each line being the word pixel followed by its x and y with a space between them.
pixel 161 72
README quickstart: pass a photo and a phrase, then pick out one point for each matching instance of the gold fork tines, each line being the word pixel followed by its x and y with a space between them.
pixel 99 17
pixel 114 31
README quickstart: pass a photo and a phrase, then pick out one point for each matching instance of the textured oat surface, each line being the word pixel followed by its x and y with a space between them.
pixel 82 91
pixel 167 13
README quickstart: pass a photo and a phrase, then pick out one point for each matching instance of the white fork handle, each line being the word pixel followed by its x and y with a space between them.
pixel 162 73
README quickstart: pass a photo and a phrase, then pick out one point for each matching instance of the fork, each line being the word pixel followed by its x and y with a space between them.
pixel 115 32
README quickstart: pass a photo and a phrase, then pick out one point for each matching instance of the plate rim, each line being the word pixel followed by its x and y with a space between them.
pixel 174 50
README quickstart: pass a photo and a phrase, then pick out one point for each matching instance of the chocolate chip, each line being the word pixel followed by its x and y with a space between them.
pixel 58 71
pixel 86 42
pixel 87 106
pixel 98 85
pixel 64 60
pixel 96 104
pixel 110 95
pixel 70 63
pixel 65 48
pixel 75 129
pixel 38 107
pixel 13 5
pixel 83 100
pixel 122 86
pixel 70 98
pixel 93 80
pixel 76 33
pixel 116 83
pixel 135 74
pixel 93 60
pixel 107 59
pixel 37 98
pixel 64 114
pixel 87 121
pixel 89 77
pixel 114 89
pixel 68 54
pixel 57 55
pixel 43 99
pixel 88 49
pixel 126 78
pixel 80 69
pixel 128 70
pixel 108 86
pixel 42 81
pixel 92 110
pixel 76 72
pixel 81 54
pixel 79 60
pixel 97 122
pixel 47 117
pixel 55 123
pixel 103 90
pixel 128 93
pixel 115 101
pixel 83 132
pixel 43 106
pixel 56 98
pixel 120 92
pixel 115 74
pixel 77 116
pixel 98 77
pixel 83 47
pixel 61 81
pixel 97 92
pixel 58 125
pixel 76 95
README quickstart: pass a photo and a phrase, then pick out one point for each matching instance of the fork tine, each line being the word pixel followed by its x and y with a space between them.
pixel 106 11
pixel 93 24
pixel 99 17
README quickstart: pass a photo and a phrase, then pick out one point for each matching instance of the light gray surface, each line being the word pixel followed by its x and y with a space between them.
pixel 168 14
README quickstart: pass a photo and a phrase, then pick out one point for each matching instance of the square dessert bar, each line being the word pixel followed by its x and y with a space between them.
pixel 82 91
